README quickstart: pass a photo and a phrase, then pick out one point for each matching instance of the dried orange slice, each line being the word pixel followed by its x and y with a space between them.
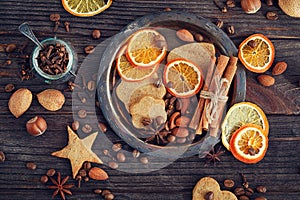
pixel 85 8
pixel 146 48
pixel 249 144
pixel 129 72
pixel 257 53
pixel 182 78
pixel 240 114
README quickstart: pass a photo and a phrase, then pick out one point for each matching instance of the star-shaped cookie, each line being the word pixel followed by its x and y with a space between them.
pixel 78 151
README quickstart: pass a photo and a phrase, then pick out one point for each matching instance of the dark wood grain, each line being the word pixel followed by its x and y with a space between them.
pixel 279 170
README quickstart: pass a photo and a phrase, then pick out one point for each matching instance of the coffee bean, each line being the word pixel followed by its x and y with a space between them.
pixel 230 3
pixel 10 48
pixel 91 85
pixel 82 114
pixel 50 172
pixel 75 125
pixel 209 196
pixel 260 198
pixel 97 191
pixel 224 9
pixel 144 160
pixel 135 153
pixel 82 173
pixel 102 127
pixel 171 138
pixel 121 157
pixel 228 183
pixel 96 34
pixel 89 49
pixel 249 192
pixel 261 189
pixel 178 104
pixel 87 166
pixel 2 156
pixel 239 191
pixel 87 128
pixel 113 165
pixel 54 17
pixel 167 9
pixel 198 37
pixel 105 192
pixel 9 87
pixel 246 184
pixel 116 147
pixel 109 196
pixel 8 62
pixel 230 30
pixel 269 2
pixel 31 165
pixel 219 23
pixel 243 197
pixel 44 179
pixel 272 16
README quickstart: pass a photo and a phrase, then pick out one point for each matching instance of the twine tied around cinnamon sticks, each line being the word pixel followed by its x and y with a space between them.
pixel 219 95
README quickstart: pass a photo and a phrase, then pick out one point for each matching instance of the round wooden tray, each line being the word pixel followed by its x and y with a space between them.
pixel 114 113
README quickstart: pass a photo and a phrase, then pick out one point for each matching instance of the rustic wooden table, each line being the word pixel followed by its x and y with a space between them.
pixel 279 170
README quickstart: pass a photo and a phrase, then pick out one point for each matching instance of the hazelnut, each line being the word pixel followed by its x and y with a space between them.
pixel 36 126
pixel 251 6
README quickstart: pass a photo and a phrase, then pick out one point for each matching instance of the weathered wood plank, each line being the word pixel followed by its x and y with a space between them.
pixel 279 170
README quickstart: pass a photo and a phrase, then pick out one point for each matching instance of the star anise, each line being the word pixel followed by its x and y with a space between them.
pixel 214 156
pixel 60 186
pixel 158 134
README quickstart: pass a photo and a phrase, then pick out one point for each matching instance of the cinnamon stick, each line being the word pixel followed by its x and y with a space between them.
pixel 221 65
pixel 228 74
pixel 198 112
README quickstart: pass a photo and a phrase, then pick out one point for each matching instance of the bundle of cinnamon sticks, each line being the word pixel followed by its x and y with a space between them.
pixel 211 105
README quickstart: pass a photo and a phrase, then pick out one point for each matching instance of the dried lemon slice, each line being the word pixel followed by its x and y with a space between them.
pixel 85 8
pixel 240 114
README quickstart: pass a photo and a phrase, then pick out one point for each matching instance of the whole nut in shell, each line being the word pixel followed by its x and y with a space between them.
pixel 251 6
pixel 97 173
pixel 20 101
pixel 36 126
pixel 51 99
pixel 290 7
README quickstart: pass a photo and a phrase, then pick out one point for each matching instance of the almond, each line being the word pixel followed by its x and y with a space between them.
pixel 97 173
pixel 185 35
pixel 20 101
pixel 266 80
pixel 279 68
pixel 51 99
